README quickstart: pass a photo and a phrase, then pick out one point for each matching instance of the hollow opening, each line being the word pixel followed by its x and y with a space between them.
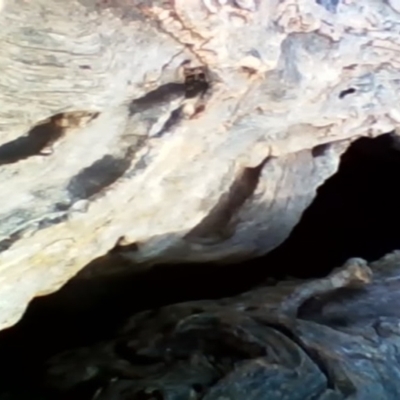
pixel 355 213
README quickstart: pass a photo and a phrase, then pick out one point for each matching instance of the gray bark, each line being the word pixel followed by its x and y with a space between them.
pixel 333 338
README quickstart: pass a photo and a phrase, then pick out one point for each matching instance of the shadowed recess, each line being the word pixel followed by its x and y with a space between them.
pixel 163 94
pixel 173 120
pixel 40 139
pixel 5 244
pixel 50 221
pixel 12 227
pixel 196 81
pixel 320 150
pixel 37 139
pixel 217 221
pixel 93 179
pixel 346 92
pixel 355 213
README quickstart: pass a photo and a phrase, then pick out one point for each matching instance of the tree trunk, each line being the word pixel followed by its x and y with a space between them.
pixel 176 130
pixel 333 338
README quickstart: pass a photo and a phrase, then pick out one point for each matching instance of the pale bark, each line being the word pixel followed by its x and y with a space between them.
pixel 285 76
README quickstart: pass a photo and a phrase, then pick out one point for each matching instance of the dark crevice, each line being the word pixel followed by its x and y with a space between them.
pixel 5 244
pixel 355 214
pixel 103 173
pixel 98 176
pixel 196 80
pixel 173 120
pixel 216 222
pixel 320 150
pixel 40 139
pixel 50 221
pixel 163 94
pixel 346 92
pixel 14 226
pixel 37 139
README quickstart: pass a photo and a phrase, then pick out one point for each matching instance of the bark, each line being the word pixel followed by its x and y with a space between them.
pixel 176 130
pixel 333 338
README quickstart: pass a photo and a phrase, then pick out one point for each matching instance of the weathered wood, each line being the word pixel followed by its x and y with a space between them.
pixel 283 78
pixel 342 344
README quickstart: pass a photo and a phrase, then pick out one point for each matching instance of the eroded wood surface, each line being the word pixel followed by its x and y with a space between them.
pixel 189 95
pixel 341 343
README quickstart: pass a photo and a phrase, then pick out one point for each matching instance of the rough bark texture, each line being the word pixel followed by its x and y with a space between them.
pixel 333 338
pixel 108 138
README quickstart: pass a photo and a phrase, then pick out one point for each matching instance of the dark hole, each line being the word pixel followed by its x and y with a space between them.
pixel 96 177
pixel 346 92
pixel 31 144
pixel 197 387
pixel 196 84
pixel 62 206
pixel 320 150
pixel 355 214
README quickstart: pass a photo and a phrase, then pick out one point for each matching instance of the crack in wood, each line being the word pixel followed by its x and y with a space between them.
pixel 163 94
pixel 173 120
pixel 96 177
pixel 41 138
pixel 215 227
pixel 5 244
